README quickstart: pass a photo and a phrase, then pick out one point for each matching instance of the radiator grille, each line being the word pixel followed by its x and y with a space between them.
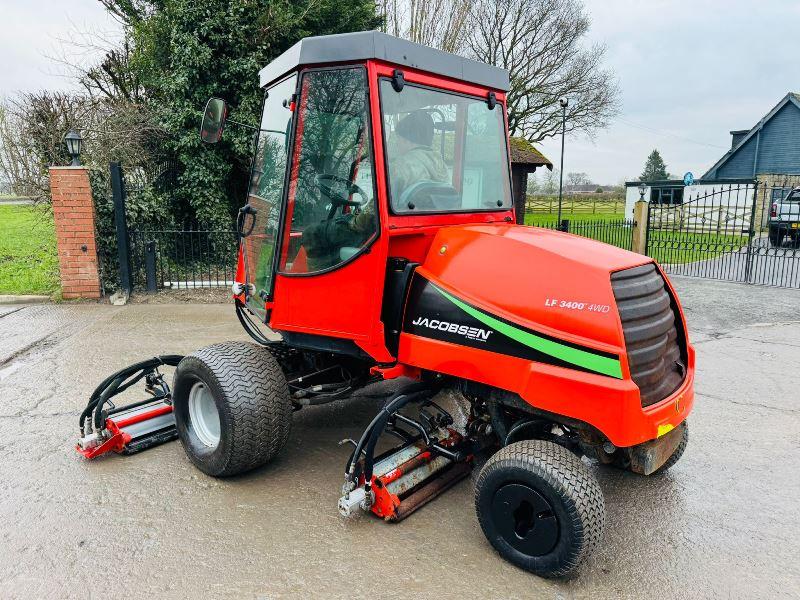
pixel 653 335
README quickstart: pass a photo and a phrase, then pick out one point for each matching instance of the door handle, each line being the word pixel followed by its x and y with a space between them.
pixel 247 209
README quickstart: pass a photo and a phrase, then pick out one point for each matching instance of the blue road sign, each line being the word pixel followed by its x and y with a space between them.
pixel 688 179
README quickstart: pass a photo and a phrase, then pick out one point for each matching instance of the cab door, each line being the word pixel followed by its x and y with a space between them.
pixel 330 273
pixel 261 222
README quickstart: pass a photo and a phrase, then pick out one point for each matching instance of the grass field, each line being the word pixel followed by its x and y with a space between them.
pixel 544 219
pixel 28 259
pixel 667 247
pixel 673 248
pixel 585 205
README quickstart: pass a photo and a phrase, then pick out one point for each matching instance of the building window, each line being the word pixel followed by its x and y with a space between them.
pixel 666 195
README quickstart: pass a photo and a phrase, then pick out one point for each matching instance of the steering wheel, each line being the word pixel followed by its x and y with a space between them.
pixel 337 199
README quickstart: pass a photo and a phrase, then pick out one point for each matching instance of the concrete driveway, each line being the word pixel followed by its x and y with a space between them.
pixel 722 524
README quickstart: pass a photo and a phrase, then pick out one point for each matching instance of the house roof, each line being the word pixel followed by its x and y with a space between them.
pixel 524 153
pixel 792 97
pixel 366 45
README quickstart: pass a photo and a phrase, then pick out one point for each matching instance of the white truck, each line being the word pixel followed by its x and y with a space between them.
pixel 784 220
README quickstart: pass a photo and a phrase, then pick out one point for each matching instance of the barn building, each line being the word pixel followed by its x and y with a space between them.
pixel 768 152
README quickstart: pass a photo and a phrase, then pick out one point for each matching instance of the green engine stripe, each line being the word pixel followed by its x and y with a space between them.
pixel 575 356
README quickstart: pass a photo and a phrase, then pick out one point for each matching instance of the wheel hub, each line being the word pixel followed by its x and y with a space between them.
pixel 525 519
pixel 204 415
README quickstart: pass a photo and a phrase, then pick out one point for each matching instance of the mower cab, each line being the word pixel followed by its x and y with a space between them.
pixel 362 156
pixel 378 242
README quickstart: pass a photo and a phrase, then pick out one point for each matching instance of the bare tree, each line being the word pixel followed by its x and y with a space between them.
pixel 550 181
pixel 534 186
pixel 437 23
pixel 100 62
pixel 113 76
pixel 33 125
pixel 540 43
pixel 578 179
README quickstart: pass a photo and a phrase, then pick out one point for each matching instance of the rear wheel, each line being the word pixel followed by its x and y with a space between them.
pixel 775 236
pixel 232 407
pixel 539 507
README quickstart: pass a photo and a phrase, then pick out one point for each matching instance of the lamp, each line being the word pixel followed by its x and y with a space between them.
pixel 74 141
pixel 642 190
pixel 563 102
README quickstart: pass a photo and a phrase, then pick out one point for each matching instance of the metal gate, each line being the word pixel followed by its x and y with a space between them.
pixel 153 257
pixel 730 231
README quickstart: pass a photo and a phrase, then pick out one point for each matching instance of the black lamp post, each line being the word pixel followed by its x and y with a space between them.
pixel 564 103
pixel 74 141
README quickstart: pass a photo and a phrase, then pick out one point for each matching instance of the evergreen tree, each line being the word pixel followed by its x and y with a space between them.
pixel 185 52
pixel 654 168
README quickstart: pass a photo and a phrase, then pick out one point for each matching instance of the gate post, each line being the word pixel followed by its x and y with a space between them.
pixel 73 214
pixel 639 233
pixel 748 266
pixel 150 265
pixel 123 243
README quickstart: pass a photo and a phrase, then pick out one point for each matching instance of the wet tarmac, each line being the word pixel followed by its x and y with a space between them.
pixel 723 523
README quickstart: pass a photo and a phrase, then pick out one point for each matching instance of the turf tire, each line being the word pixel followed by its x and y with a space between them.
pixel 560 478
pixel 252 398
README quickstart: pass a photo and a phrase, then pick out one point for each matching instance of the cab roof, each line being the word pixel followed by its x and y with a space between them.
pixel 366 45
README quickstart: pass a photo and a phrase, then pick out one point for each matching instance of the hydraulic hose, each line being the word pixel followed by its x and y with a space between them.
pixel 364 436
pixel 249 326
pixel 118 382
pixel 375 429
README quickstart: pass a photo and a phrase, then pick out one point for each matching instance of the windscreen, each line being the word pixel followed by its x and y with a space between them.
pixel 444 152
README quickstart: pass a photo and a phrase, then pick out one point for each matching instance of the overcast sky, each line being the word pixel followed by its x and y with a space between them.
pixel 689 72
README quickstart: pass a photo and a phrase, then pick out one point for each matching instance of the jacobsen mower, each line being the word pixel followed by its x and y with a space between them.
pixel 378 242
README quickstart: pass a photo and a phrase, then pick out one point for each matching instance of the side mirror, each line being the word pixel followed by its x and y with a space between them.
pixel 214 116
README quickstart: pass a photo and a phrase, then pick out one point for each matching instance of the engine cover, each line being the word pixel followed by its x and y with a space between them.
pixel 533 311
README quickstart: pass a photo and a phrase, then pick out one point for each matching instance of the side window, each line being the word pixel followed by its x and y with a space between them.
pixel 331 208
pixel 266 190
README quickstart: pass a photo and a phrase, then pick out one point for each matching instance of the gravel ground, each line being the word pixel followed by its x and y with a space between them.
pixel 220 295
pixel 721 524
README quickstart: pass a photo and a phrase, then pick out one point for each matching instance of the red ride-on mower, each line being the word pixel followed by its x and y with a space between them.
pixel 378 241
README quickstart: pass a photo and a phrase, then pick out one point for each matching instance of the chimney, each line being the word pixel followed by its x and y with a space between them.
pixel 737 136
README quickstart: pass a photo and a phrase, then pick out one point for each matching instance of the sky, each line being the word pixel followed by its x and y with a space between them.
pixel 689 71
pixel 32 37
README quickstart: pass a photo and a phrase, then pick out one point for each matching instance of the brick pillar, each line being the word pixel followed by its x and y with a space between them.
pixel 73 212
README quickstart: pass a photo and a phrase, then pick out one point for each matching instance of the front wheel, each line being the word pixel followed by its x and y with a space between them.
pixel 232 407
pixel 539 507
